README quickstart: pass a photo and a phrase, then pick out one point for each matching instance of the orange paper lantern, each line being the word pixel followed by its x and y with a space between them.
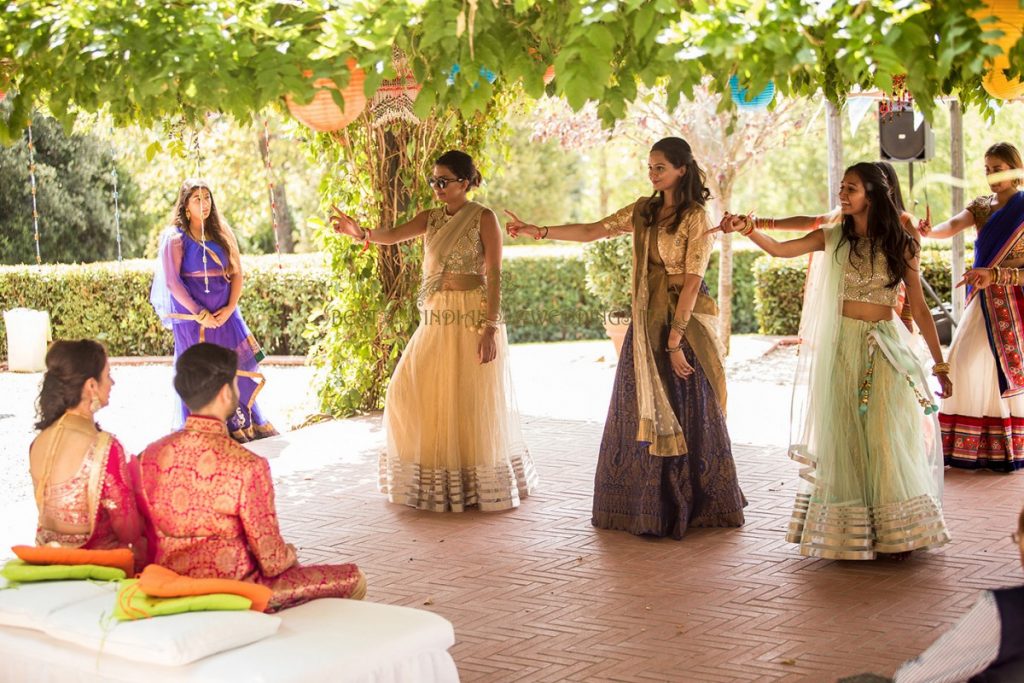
pixel 1010 19
pixel 322 113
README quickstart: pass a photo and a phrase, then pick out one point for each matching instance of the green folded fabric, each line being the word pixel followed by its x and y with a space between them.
pixel 133 604
pixel 17 571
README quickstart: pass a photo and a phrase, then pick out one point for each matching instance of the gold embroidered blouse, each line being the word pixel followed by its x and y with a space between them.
pixel 981 209
pixel 865 279
pixel 467 257
pixel 687 250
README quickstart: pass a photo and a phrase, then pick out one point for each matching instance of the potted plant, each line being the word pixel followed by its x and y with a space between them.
pixel 609 266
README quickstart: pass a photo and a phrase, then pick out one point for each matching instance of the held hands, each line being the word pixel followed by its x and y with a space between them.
pixel 487 349
pixel 679 365
pixel 221 316
pixel 924 226
pixel 344 224
pixel 207 320
pixel 977 277
pixel 516 225
pixel 730 223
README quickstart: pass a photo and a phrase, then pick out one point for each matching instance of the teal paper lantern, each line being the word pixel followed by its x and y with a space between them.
pixel 759 101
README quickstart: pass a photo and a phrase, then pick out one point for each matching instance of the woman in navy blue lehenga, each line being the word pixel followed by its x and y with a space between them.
pixel 196 289
pixel 666 460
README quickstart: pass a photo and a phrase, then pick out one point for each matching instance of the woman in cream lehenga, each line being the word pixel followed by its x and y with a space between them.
pixel 453 434
pixel 78 472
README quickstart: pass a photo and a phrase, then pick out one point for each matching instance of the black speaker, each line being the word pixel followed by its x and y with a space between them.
pixel 898 140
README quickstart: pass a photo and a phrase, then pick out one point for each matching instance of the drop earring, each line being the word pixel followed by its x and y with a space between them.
pixel 95 404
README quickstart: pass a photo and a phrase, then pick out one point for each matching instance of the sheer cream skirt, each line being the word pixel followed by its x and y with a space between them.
pixel 453 432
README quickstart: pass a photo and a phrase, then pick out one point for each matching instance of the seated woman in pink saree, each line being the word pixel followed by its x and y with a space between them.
pixel 78 471
pixel 209 502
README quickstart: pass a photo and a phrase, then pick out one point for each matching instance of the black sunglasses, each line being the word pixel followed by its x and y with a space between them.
pixel 441 183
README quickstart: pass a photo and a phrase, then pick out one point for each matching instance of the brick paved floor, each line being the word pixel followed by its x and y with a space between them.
pixel 537 594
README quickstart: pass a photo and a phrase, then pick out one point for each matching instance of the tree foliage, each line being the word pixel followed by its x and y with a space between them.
pixel 144 61
pixel 74 199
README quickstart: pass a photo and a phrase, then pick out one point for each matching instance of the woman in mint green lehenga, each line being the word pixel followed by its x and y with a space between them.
pixel 864 426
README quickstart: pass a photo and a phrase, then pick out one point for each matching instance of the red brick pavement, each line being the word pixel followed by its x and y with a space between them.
pixel 537 594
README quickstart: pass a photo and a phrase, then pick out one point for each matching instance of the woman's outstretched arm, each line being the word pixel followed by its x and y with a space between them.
pixel 344 224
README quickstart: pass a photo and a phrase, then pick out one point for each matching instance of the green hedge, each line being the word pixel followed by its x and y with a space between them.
pixel 744 318
pixel 109 302
pixel 779 286
pixel 545 300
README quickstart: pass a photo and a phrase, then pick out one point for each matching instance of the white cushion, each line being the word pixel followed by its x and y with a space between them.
pixel 172 640
pixel 28 605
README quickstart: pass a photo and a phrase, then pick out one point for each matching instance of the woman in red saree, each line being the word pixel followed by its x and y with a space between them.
pixel 78 471
pixel 983 423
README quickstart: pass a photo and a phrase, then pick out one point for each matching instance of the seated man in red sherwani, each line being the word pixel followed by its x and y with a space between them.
pixel 209 502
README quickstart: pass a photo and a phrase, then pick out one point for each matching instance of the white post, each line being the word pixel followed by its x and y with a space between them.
pixel 956 156
pixel 834 137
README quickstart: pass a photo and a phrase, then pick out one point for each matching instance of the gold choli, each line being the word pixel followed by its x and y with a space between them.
pixel 981 209
pixel 467 256
pixel 687 250
pixel 866 279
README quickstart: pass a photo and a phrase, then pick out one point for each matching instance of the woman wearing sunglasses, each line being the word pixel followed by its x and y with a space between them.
pixel 453 434
pixel 665 462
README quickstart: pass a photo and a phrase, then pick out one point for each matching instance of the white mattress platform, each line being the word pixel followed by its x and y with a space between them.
pixel 50 635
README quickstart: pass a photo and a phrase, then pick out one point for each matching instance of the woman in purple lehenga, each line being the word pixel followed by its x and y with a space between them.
pixel 665 462
pixel 196 290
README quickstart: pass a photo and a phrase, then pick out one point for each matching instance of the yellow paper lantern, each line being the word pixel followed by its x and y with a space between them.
pixel 322 113
pixel 1010 19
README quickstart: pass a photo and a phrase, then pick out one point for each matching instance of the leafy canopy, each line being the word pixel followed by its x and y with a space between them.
pixel 144 60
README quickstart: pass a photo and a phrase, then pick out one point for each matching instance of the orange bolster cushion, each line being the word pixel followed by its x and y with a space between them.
pixel 161 582
pixel 119 558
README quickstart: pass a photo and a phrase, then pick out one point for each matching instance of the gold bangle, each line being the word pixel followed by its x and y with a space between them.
pixel 940 369
pixel 749 225
pixel 680 325
pixel 672 349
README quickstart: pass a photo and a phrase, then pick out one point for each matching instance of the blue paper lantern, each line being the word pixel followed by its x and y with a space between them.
pixel 484 71
pixel 760 101
pixel 452 74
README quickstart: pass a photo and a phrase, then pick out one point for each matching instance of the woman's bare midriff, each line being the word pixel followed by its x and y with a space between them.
pixel 460 282
pixel 861 310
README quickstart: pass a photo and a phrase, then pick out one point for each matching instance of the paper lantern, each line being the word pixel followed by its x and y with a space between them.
pixel 394 99
pixel 760 101
pixel 322 113
pixel 489 75
pixel 549 75
pixel 1010 18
